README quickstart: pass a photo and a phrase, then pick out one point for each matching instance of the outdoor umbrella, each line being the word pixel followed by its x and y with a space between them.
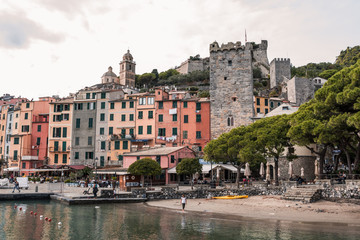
pixel 291 170
pixel 302 172
pixel 316 168
pixel 267 171
pixel 279 172
pixel 247 170
pixel 262 171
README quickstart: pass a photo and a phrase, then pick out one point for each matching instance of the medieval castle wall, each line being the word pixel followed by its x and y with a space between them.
pixel 300 90
pixel 280 68
pixel 192 65
pixel 231 85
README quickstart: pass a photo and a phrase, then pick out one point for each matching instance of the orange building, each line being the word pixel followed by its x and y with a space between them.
pixel 182 120
pixel 261 105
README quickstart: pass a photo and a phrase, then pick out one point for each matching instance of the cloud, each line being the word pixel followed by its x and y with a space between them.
pixel 18 31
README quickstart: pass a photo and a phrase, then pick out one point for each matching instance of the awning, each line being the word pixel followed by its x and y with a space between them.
pixel 206 168
pixel 11 169
pixel 140 140
pixel 111 172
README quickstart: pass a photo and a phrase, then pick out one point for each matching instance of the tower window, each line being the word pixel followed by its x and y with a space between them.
pixel 225 78
pixel 230 121
pixel 234 99
pixel 229 63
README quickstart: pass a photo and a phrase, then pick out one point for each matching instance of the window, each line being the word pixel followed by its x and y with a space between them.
pixel 266 110
pixel 161 105
pixel 131 131
pixel 185 104
pixel 78 106
pixel 142 101
pixel 123 132
pixel 89 155
pixel 200 148
pixel 174 104
pixel 161 118
pixel 186 118
pixel 158 159
pixel 102 105
pixel 24 128
pixel 64 146
pixel 162 132
pixel 16 140
pixel 16 124
pixel 27 105
pixel 140 130
pixel 102 161
pixel 174 117
pixel 117 145
pixel 271 104
pixel 103 95
pixel 198 134
pixel 56 158
pixel 225 78
pixel 112 105
pixel 150 114
pixel 38 128
pixel 174 131
pixel 93 95
pixel 131 104
pixel 149 129
pixel 56 132
pixel 229 63
pixel 257 101
pixel 131 117
pixel 38 140
pixel 77 141
pixel 120 158
pixel 66 116
pixel 258 110
pixel 76 155
pixel 102 131
pixel 123 104
pixel 150 101
pixel 266 102
pixel 172 159
pixel 89 141
pixel 111 130
pixel 230 121
pixel 111 117
pixel 198 106
pixel 26 115
pixel 123 117
pixel 64 160
pixel 198 117
pixel 102 116
pixel 78 123
pixel 90 122
pixel 140 116
pixel 102 147
pixel 91 106
pixel 125 144
pixel 185 134
pixel 87 95
pixel 56 146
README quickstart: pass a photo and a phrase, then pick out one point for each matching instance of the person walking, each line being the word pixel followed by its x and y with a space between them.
pixel 16 186
pixel 95 189
pixel 183 202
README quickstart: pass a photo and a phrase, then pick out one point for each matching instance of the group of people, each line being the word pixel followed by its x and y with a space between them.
pixel 341 178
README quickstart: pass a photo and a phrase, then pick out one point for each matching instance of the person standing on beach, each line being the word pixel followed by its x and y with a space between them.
pixel 183 202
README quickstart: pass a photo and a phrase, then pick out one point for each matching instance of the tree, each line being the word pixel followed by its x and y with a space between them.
pixel 145 167
pixel 189 166
pixel 147 79
pixel 167 74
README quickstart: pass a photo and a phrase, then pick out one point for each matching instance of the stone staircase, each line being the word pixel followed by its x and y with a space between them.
pixel 304 194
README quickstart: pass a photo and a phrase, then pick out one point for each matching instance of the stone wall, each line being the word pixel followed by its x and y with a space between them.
pixel 231 85
pixel 348 191
pixel 307 162
pixel 279 68
pixel 300 90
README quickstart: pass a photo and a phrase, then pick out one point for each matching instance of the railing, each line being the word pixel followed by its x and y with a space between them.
pixel 337 176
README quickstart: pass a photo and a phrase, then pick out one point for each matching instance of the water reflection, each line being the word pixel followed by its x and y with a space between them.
pixel 135 221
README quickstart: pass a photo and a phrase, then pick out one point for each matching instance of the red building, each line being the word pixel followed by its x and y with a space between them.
pixel 167 157
pixel 182 120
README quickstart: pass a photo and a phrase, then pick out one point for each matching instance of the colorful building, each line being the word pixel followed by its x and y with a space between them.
pixel 261 105
pixel 167 157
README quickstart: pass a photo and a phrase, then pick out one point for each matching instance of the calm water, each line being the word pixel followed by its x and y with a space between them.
pixel 136 221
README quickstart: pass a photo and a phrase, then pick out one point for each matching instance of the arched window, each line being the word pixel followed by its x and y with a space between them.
pixel 230 121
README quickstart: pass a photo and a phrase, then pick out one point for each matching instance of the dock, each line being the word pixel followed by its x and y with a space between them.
pixel 25 196
pixel 92 200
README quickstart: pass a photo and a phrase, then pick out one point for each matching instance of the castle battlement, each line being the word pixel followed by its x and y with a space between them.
pixel 214 47
pixel 280 60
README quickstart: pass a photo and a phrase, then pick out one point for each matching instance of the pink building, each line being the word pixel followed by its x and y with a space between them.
pixel 167 157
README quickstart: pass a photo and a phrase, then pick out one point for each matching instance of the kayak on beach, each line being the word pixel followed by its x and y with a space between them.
pixel 232 197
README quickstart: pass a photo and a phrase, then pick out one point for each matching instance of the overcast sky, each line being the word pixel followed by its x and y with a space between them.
pixel 54 47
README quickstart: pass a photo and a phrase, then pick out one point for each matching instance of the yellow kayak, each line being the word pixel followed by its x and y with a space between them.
pixel 232 197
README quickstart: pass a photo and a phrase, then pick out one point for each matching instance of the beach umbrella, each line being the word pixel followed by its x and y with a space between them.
pixel 291 170
pixel 316 168
pixel 279 172
pixel 262 171
pixel 302 172
pixel 267 171
pixel 247 170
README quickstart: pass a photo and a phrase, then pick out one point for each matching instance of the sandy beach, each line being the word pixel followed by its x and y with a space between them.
pixel 271 207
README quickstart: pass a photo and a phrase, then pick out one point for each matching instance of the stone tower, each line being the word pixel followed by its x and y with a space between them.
pixel 127 70
pixel 231 84
pixel 279 68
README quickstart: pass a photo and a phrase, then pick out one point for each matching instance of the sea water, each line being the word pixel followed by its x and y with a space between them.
pixel 137 221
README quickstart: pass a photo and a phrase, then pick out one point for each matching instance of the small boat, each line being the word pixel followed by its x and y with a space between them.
pixel 232 197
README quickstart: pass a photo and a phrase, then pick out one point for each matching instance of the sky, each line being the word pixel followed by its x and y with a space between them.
pixel 52 47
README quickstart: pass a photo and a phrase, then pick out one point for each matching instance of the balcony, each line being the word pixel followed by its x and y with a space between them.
pixel 30 158
pixel 59 149
pixel 114 137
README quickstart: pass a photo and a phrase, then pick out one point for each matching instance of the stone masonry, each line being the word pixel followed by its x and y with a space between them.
pixel 231 85
pixel 279 68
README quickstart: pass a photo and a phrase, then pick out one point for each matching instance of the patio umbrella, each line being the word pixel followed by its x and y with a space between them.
pixel 267 171
pixel 279 172
pixel 247 170
pixel 291 170
pixel 302 172
pixel 262 171
pixel 316 168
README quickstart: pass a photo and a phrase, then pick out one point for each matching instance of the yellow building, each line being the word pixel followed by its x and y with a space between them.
pixel 261 105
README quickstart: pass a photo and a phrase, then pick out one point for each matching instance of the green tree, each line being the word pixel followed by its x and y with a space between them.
pixel 167 74
pixel 147 79
pixel 145 167
pixel 328 73
pixel 189 166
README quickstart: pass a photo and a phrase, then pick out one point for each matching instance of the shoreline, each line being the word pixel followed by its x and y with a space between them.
pixel 269 208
